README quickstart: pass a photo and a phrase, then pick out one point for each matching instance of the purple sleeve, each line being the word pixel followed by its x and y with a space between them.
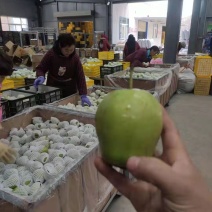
pixel 80 77
pixel 44 65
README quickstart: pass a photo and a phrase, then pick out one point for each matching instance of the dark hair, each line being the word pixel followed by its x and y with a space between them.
pixel 131 44
pixel 155 49
pixel 6 64
pixel 66 39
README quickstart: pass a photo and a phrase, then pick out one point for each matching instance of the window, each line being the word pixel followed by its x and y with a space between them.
pixel 123 28
pixel 13 23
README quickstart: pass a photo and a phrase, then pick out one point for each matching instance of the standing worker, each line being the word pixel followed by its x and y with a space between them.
pixel 7 155
pixel 180 46
pixel 64 69
pixel 130 46
pixel 103 44
pixel 142 57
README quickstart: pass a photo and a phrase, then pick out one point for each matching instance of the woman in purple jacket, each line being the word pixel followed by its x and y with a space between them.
pixel 64 69
pixel 142 56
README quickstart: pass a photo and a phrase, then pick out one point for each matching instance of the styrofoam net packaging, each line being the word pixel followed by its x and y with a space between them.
pixel 50 166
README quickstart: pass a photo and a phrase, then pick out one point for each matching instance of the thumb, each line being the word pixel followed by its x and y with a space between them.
pixel 154 171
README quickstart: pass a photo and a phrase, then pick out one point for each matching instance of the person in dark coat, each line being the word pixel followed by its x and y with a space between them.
pixel 103 44
pixel 64 69
pixel 141 57
pixel 130 46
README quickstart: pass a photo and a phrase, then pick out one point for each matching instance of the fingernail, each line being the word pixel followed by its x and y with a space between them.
pixel 132 163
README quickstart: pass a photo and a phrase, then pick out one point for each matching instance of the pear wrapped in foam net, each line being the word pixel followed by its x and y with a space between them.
pixel 74 122
pixel 21 190
pixel 73 132
pixel 9 172
pixel 56 153
pixel 34 156
pixel 36 120
pixel 50 171
pixel 58 160
pixel 27 179
pixel 22 161
pixel 40 126
pixel 34 188
pixel 35 165
pixel 73 153
pixel 69 146
pixel 44 157
pixel 39 175
pixel 57 146
pixel 85 138
pixel 12 182
pixel 54 120
pixel 68 160
pixel 63 124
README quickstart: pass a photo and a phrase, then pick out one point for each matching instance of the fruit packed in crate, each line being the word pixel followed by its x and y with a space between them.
pixel 110 68
pixel 94 61
pixel 91 70
pixel 95 95
pixel 47 149
pixel 106 55
pixel 18 101
pixel 44 94
pixel 18 77
pixel 7 84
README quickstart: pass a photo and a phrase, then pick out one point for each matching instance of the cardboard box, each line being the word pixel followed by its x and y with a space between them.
pixel 18 52
pixel 88 52
pixel 9 48
pixel 28 51
pixel 35 42
pixel 94 53
pixel 37 58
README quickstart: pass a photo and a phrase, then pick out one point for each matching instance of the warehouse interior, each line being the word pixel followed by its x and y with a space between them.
pixel 54 137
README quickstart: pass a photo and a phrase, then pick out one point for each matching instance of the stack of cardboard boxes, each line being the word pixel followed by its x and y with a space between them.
pixel 26 56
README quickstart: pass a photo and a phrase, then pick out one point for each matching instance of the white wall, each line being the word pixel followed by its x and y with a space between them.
pixel 119 10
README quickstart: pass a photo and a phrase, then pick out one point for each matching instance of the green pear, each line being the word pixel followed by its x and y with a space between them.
pixel 128 123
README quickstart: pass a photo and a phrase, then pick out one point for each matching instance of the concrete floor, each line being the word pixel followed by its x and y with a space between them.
pixel 193 117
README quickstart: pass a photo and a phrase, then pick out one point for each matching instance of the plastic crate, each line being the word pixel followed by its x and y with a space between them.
pixel 100 63
pixel 106 55
pixel 45 94
pixel 203 66
pixel 29 81
pixel 202 86
pixel 89 83
pixel 7 84
pixel 109 70
pixel 91 71
pixel 18 82
pixel 125 65
pixel 4 105
pixel 19 104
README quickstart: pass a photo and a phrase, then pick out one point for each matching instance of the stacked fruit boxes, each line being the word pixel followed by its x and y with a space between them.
pixel 203 71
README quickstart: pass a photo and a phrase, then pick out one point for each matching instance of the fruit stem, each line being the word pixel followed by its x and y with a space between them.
pixel 131 78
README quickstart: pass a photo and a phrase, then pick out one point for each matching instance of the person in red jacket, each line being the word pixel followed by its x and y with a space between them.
pixel 130 46
pixel 64 69
pixel 103 44
pixel 142 57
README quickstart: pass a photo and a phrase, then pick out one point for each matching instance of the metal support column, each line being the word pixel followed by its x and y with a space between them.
pixel 173 24
pixel 201 29
pixel 194 27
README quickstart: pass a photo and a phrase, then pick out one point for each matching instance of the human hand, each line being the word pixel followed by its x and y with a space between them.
pixel 145 64
pixel 7 155
pixel 169 183
pixel 40 80
pixel 85 100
